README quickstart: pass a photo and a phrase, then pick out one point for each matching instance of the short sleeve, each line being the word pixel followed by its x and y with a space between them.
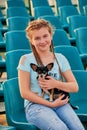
pixel 24 64
pixel 63 62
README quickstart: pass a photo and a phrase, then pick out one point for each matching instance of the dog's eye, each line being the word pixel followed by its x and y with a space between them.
pixel 39 72
pixel 44 72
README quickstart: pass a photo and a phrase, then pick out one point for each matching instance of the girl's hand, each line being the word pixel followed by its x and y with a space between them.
pixel 59 102
pixel 48 83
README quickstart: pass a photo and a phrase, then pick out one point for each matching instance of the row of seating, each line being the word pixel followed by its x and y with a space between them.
pixel 16 117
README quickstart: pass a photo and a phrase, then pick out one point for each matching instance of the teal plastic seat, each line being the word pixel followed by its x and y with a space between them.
pixel 81 4
pixel 60 38
pixel 2 16
pixel 36 3
pixel 7 127
pixel 63 2
pixel 17 23
pixel 2 43
pixel 3 29
pixel 14 106
pixel 12 60
pixel 54 21
pixel 80 98
pixel 16 40
pixel 15 3
pixel 75 22
pixel 81 39
pixel 42 10
pixel 18 11
pixel 2 65
pixel 81 42
pixel 64 12
pixel 60 3
pixel 72 54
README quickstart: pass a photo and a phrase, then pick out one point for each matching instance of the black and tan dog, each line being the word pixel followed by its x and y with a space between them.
pixel 53 93
pixel 43 73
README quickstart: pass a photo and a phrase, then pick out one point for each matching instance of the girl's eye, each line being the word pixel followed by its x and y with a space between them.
pixel 45 35
pixel 37 38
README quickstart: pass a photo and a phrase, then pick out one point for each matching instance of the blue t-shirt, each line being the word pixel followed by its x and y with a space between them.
pixel 27 59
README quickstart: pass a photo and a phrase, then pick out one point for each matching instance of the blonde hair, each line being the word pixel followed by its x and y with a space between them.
pixel 36 25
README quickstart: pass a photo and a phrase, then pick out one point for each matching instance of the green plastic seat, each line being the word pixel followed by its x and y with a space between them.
pixel 14 106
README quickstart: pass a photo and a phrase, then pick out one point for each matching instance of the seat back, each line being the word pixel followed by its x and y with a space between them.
pixel 80 98
pixel 17 23
pixel 14 106
pixel 81 4
pixel 12 60
pixel 1 38
pixel 17 11
pixel 53 20
pixel 81 39
pixel 65 11
pixel 60 38
pixel 63 2
pixel 42 10
pixel 16 40
pixel 15 3
pixel 76 22
pixel 72 54
pixel 36 3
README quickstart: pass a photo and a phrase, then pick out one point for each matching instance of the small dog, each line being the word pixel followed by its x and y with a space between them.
pixel 53 93
pixel 43 73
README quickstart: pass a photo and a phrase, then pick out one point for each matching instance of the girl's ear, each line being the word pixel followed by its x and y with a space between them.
pixel 33 66
pixel 49 66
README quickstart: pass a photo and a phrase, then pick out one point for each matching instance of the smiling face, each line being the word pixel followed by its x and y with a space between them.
pixel 41 39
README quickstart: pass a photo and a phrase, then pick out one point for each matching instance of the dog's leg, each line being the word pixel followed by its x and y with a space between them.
pixel 51 95
pixel 42 93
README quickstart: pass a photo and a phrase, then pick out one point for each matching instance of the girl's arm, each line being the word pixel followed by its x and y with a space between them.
pixel 69 86
pixel 26 93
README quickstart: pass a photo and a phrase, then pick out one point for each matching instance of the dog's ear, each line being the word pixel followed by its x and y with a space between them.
pixel 33 66
pixel 49 66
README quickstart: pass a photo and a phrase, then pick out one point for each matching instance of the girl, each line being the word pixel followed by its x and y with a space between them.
pixel 46 115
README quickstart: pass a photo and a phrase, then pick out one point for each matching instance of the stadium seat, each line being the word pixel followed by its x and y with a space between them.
pixel 12 60
pixel 16 40
pixel 72 54
pixel 14 106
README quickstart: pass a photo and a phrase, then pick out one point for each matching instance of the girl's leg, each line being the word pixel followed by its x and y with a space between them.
pixel 67 115
pixel 44 118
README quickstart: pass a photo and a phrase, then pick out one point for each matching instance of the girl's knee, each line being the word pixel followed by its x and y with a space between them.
pixel 57 125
